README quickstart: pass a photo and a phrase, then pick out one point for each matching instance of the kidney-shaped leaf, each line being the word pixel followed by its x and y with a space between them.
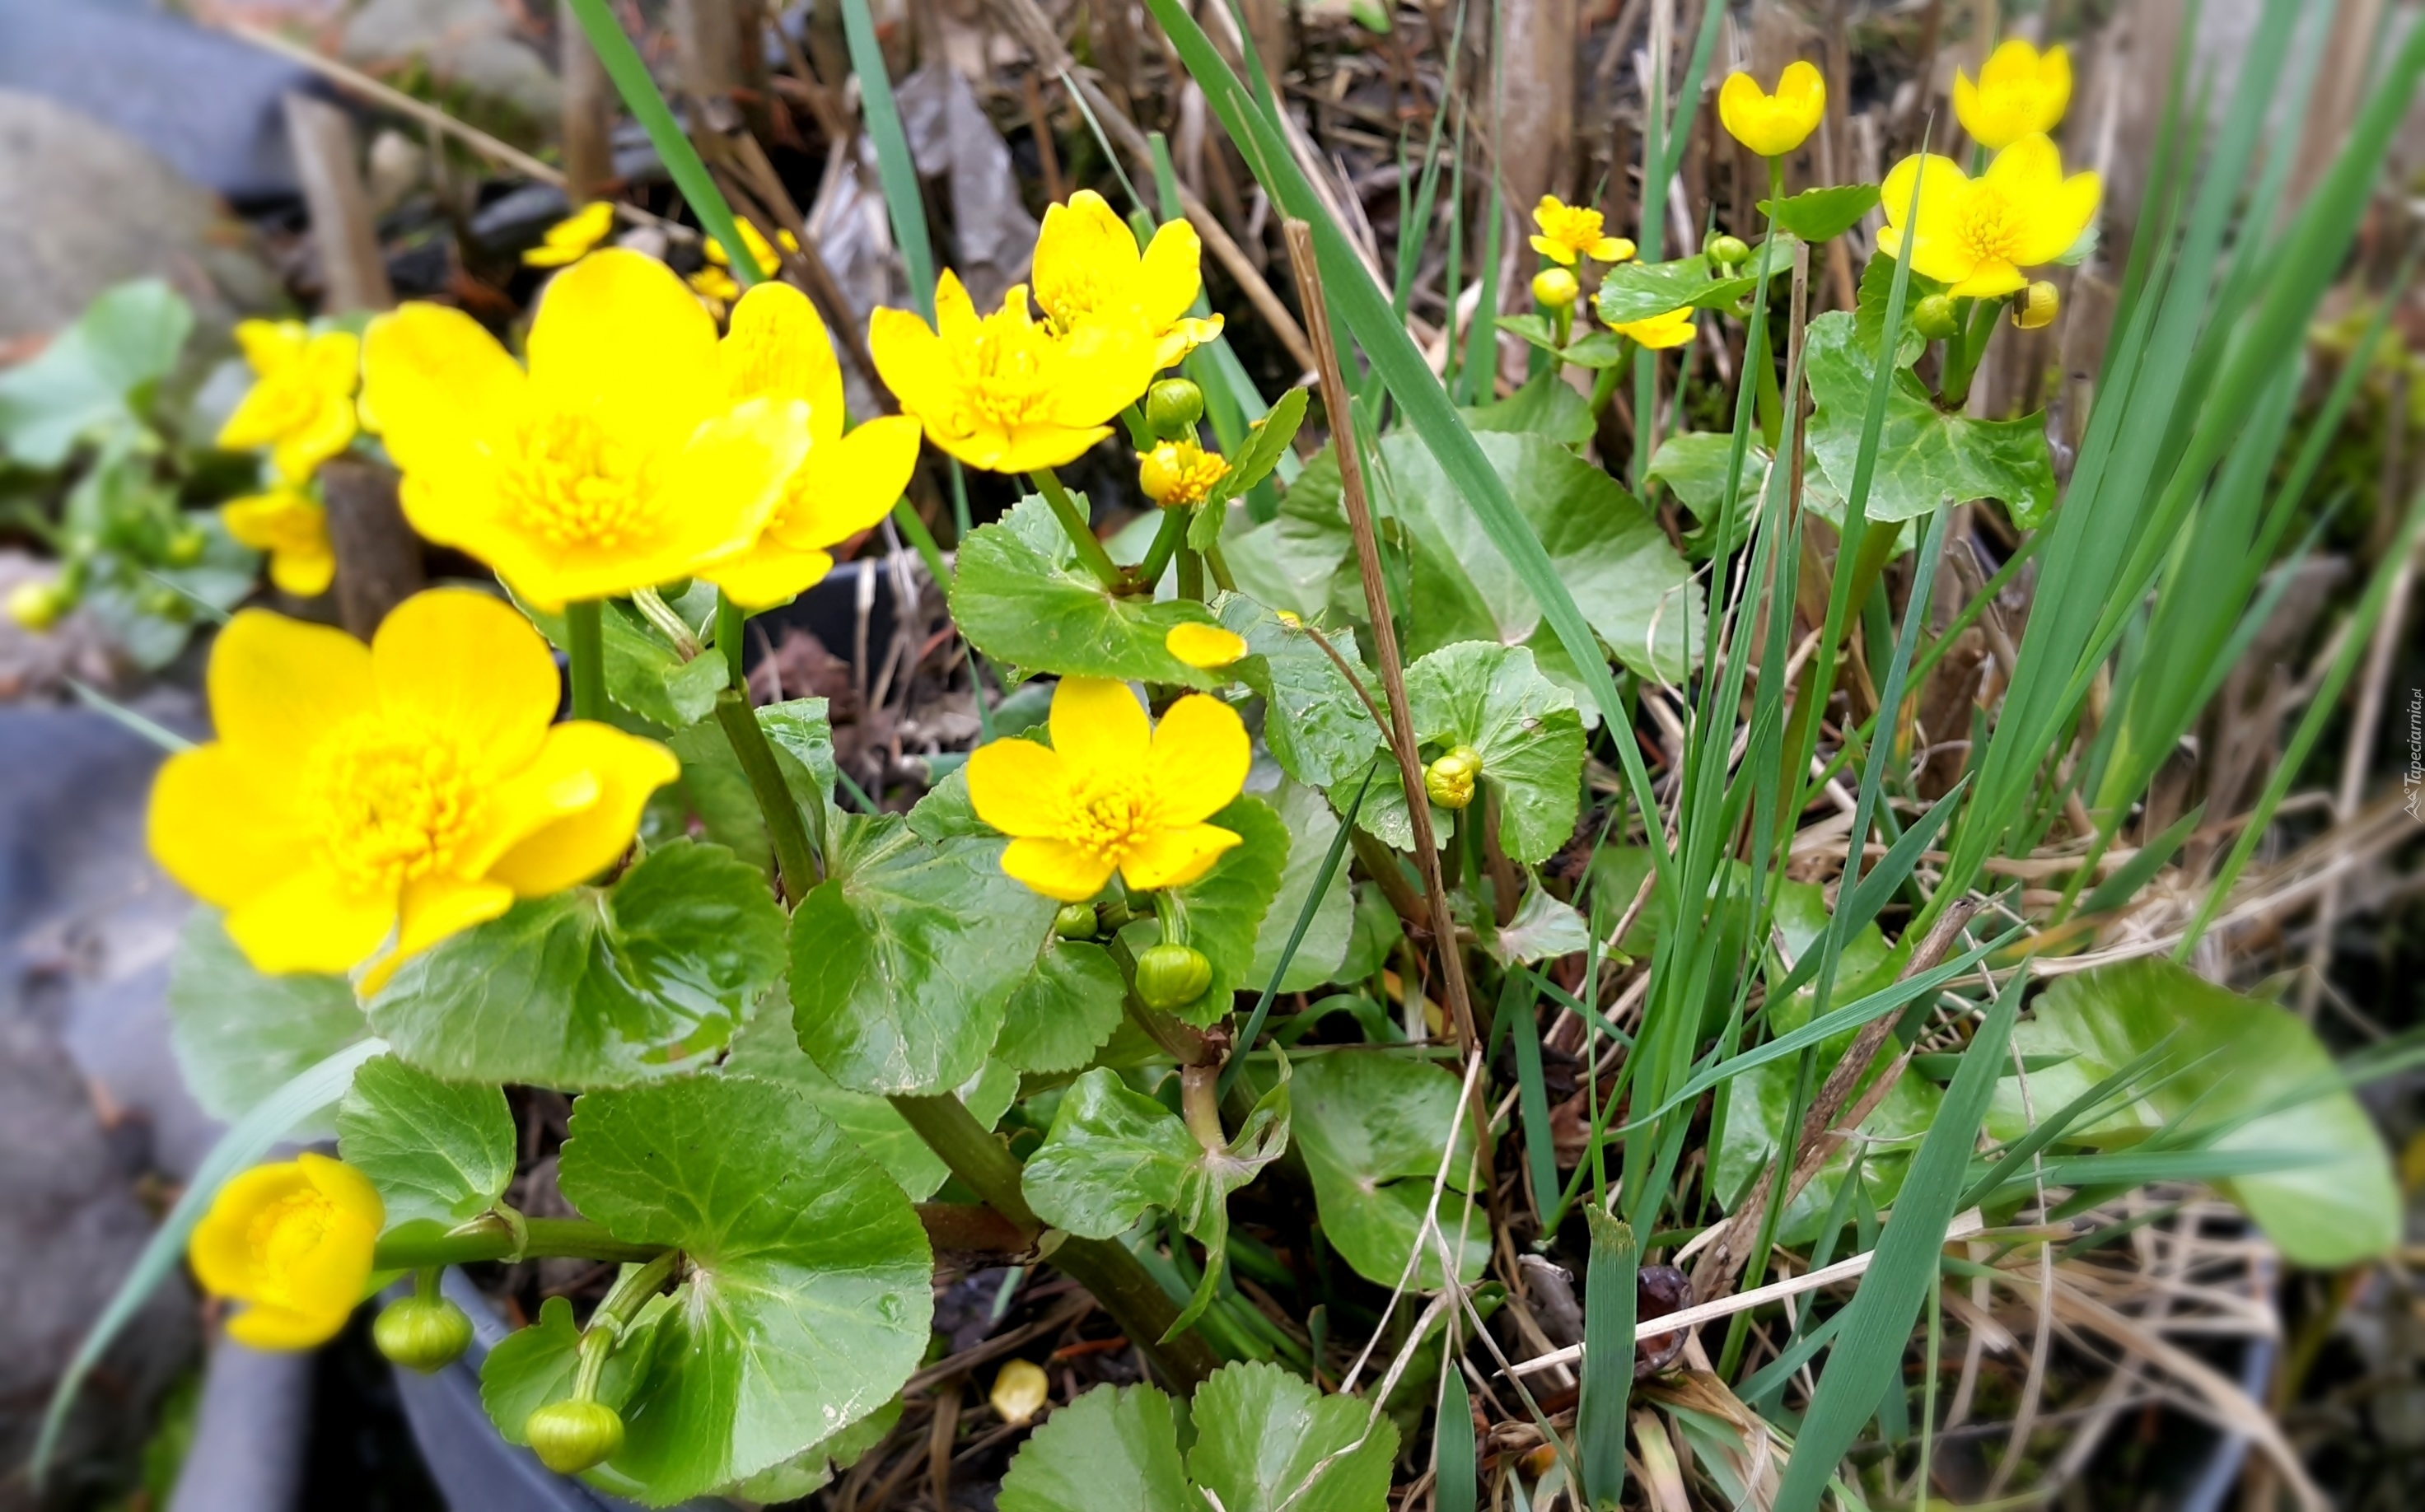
pixel 1019 595
pixel 240 1033
pixel 1115 1449
pixel 1265 1440
pixel 1526 729
pixel 808 1291
pixel 439 1151
pixel 1371 1127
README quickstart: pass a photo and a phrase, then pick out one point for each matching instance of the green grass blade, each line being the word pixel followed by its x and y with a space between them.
pixel 1608 1358
pixel 1453 1440
pixel 894 166
pixel 648 105
pixel 1532 1090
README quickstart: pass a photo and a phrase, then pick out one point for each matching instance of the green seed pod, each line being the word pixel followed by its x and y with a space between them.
pixel 1172 976
pixel 1935 318
pixel 1450 780
pixel 569 1437
pixel 1728 251
pixel 1075 921
pixel 1172 407
pixel 423 1333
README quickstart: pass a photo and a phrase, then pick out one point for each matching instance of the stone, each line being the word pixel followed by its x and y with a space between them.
pixel 470 44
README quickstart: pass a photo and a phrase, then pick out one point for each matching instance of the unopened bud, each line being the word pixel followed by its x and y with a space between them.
pixel 1171 976
pixel 1935 318
pixel 570 1436
pixel 1450 780
pixel 1728 251
pixel 36 605
pixel 1172 407
pixel 186 547
pixel 423 1333
pixel 1075 922
pixel 1555 288
pixel 2036 306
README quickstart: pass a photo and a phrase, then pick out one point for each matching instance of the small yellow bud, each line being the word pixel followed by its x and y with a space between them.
pixel 1020 1391
pixel 2036 306
pixel 38 604
pixel 1450 780
pixel 1179 473
pixel 1555 288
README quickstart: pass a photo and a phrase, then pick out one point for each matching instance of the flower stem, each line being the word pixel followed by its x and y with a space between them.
pixel 1090 551
pixel 1191 571
pixel 728 619
pixel 793 859
pixel 1135 1301
pixel 1147 575
pixel 573 1238
pixel 1963 352
pixel 584 635
pixel 631 1292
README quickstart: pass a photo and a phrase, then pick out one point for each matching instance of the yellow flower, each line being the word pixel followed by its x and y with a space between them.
pixel 777 349
pixel 410 788
pixel 1088 269
pixel 1204 646
pixel 1568 231
pixel 617 462
pixel 293 528
pixel 718 284
pixel 1002 392
pixel 1977 234
pixel 1112 792
pixel 1180 472
pixel 1773 124
pixel 1659 333
pixel 292 1242
pixel 571 239
pixel 2021 92
pixel 301 403
pixel 2037 306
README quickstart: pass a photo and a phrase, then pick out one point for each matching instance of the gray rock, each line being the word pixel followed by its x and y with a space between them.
pixel 469 43
pixel 83 207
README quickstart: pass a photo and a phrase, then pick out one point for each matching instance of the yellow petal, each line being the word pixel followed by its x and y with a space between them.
pixel 1988 280
pixel 617 332
pixel 1019 787
pixel 1107 365
pixel 1938 178
pixel 1082 248
pixel 471 666
pixel 1203 646
pixel 1742 105
pixel 441 387
pixel 1028 449
pixel 2027 171
pixel 769 573
pixel 434 908
pixel 1098 726
pixel 334 359
pixel 349 1189
pixel 1612 249
pixel 573 850
pixel 1802 95
pixel 1171 274
pixel 1175 858
pixel 1057 868
pixel 310 922
pixel 956 313
pixel 846 485
pixel 914 364
pixel 305 570
pixel 2061 217
pixel 775 346
pixel 270 346
pixel 278 685
pixel 220 1249
pixel 1555 251
pixel 727 483
pixel 1200 755
pixel 1971 109
pixel 225 826
pixel 282 1331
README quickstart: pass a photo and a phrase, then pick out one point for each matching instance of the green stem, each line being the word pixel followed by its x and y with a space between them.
pixel 1219 566
pixel 1963 352
pixel 1191 573
pixel 793 858
pixel 922 540
pixel 572 1238
pixel 1604 382
pixel 728 618
pixel 1166 537
pixel 1073 520
pixel 584 636
pixel 1135 1301
pixel 631 1292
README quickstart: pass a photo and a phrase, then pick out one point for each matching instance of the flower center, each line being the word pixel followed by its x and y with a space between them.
pixel 391 803
pixel 1989 224
pixel 1574 228
pixel 1112 816
pixel 1008 373
pixel 282 1237
pixel 574 482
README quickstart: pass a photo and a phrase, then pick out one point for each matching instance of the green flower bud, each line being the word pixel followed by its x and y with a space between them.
pixel 1075 921
pixel 569 1437
pixel 423 1333
pixel 1172 976
pixel 1450 780
pixel 1728 251
pixel 186 547
pixel 36 605
pixel 1172 407
pixel 1933 317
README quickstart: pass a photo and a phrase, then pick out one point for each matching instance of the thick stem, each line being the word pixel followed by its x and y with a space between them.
pixel 584 636
pixel 793 857
pixel 1191 571
pixel 631 1292
pixel 1963 352
pixel 1082 535
pixel 1199 1101
pixel 1135 1301
pixel 572 1238
pixel 1166 538
pixel 728 619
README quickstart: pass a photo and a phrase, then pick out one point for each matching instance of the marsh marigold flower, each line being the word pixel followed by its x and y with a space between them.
pixel 1773 124
pixel 301 403
pixel 1088 269
pixel 292 1242
pixel 618 461
pixel 2021 92
pixel 292 527
pixel 1978 234
pixel 716 280
pixel 571 239
pixel 1568 231
pixel 1003 392
pixel 1203 646
pixel 1659 333
pixel 777 349
pixel 411 788
pixel 1176 473
pixel 1112 792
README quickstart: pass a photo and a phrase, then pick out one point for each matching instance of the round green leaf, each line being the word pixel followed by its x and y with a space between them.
pixel 1371 1127
pixel 1115 1449
pixel 1019 596
pixel 435 1151
pixel 1063 1010
pixel 1317 727
pixel 240 1035
pixel 1527 729
pixel 1266 1440
pixel 1112 1155
pixel 594 986
pixel 808 1293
